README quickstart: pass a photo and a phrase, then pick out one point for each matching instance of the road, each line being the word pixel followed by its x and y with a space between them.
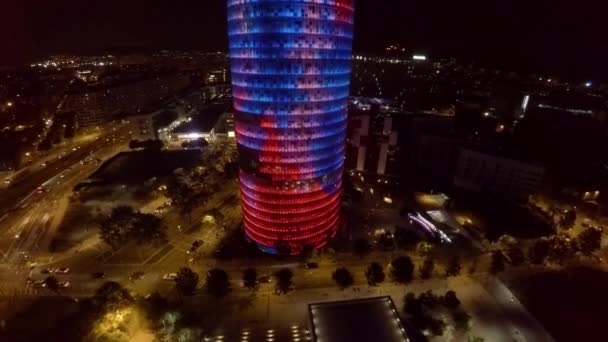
pixel 28 226
pixel 12 197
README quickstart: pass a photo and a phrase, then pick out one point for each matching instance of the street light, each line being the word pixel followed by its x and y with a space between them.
pixel 10 104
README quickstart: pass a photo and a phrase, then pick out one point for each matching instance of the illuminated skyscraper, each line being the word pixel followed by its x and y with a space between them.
pixel 291 63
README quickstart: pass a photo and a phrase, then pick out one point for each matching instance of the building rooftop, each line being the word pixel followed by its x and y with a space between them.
pixel 363 320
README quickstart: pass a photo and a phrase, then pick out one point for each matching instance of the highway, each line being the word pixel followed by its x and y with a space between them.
pixel 41 199
pixel 51 166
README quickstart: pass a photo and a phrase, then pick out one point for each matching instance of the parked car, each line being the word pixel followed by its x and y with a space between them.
pixel 39 283
pixel 170 276
pixel 62 270
pixel 311 265
pixel 264 279
pixel 98 275
pixel 195 245
pixel 137 276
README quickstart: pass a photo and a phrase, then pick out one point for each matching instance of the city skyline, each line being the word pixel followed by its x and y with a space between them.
pixel 303 170
pixel 517 36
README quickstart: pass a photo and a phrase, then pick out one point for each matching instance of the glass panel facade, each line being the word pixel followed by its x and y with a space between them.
pixel 291 64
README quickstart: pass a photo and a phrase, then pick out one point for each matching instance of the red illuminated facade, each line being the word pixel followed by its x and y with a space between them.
pixel 290 63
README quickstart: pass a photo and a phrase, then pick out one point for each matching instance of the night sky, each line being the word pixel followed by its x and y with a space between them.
pixel 549 36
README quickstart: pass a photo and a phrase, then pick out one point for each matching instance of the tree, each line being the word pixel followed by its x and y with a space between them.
pixel 343 277
pixel 516 256
pixel 402 269
pixel 154 307
pixel 436 326
pixel 283 248
pixel 111 296
pixel 561 248
pixel 405 237
pixel 568 219
pixel 148 228
pixel 116 230
pixel 453 268
pixel 218 282
pixel 450 300
pixel 498 262
pixel 182 192
pixel 428 265
pixel 52 284
pixel 539 252
pixel 250 278
pixel 124 225
pixel 429 299
pixel 476 339
pixel 386 241
pixel 462 320
pixel 424 248
pixel 374 274
pixel 284 280
pixel 307 252
pixel 589 240
pixel 411 305
pixel 186 281
pixel 362 247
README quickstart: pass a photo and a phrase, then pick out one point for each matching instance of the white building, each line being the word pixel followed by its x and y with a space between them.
pixel 481 172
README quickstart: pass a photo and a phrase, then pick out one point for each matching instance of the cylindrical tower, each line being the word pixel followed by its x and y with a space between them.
pixel 291 63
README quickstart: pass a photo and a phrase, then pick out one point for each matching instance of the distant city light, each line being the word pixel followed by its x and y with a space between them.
pixel 419 57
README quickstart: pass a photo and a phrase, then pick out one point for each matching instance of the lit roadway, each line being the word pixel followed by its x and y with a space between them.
pixel 36 204
pixel 39 173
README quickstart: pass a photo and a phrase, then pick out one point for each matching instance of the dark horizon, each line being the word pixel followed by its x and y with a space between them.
pixel 552 38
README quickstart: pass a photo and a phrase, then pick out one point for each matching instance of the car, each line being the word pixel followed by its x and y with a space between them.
pixel 264 279
pixel 170 276
pixel 137 276
pixel 46 271
pixel 63 284
pixel 98 275
pixel 39 283
pixel 311 265
pixel 62 270
pixel 195 245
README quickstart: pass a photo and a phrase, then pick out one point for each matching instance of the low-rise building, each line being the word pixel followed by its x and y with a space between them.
pixel 487 173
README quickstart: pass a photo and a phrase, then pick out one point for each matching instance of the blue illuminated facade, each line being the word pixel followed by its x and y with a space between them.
pixel 291 64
